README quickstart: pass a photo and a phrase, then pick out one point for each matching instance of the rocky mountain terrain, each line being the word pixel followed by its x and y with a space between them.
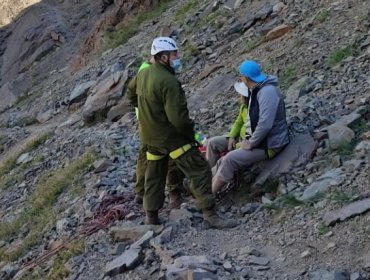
pixel 69 140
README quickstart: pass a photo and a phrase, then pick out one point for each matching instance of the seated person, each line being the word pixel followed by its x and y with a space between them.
pixel 220 145
pixel 267 117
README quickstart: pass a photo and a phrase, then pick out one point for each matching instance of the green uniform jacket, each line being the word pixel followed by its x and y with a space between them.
pixel 164 117
pixel 239 128
pixel 131 90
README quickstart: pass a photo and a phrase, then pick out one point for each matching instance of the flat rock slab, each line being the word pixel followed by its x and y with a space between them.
pixel 143 241
pixel 278 32
pixel 258 260
pixel 200 274
pixel 102 165
pixel 339 135
pixel 24 158
pixel 218 85
pixel 294 156
pixel 128 260
pixel 329 275
pixel 186 264
pixel 80 92
pixel 331 178
pixel 7 96
pixel 349 211
pixel 209 69
pixel 132 233
pixel 177 215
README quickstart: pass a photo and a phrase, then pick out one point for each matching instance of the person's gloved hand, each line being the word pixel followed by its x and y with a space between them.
pixel 231 145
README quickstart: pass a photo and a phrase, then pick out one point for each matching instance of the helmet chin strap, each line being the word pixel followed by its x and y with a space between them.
pixel 168 63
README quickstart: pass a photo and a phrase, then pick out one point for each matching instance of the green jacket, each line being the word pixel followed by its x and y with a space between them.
pixel 131 90
pixel 239 128
pixel 164 117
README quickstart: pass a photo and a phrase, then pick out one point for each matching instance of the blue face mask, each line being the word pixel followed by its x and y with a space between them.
pixel 176 64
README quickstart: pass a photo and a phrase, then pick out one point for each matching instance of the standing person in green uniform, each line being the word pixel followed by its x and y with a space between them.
pixel 174 176
pixel 167 132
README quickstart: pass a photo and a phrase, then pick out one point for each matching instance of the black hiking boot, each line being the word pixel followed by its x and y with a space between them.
pixel 152 218
pixel 138 199
pixel 213 220
pixel 175 199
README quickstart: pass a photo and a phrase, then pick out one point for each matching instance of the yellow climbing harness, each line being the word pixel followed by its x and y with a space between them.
pixel 174 154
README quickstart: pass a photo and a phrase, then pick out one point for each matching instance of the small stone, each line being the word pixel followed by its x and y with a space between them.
pixel 330 245
pixel 245 274
pixel 367 266
pixel 177 215
pixel 261 268
pixel 102 165
pixel 228 266
pixel 328 275
pixel 43 117
pixel 119 249
pixel 366 135
pixel 348 211
pixel 250 251
pixel 219 115
pixel 200 275
pixel 249 208
pixel 340 135
pixel 278 31
pixel 128 260
pixel 355 276
pixel 258 261
pixel 336 161
pixel 278 7
pixel 306 254
pixel 24 158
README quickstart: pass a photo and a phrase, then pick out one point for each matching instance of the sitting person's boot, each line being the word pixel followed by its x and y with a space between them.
pixel 138 199
pixel 213 220
pixel 152 218
pixel 175 199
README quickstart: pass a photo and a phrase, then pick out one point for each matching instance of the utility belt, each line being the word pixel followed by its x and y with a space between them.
pixel 174 154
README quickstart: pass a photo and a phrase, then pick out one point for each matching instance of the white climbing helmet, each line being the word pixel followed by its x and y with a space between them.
pixel 161 44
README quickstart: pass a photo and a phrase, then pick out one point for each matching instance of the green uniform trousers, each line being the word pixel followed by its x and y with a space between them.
pixel 192 164
pixel 174 180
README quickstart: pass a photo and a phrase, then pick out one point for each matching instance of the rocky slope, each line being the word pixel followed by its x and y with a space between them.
pixel 68 141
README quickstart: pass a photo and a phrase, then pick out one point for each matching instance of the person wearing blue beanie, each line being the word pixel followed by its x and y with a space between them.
pixel 269 129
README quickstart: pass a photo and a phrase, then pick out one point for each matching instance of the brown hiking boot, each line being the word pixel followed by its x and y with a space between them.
pixel 213 220
pixel 138 199
pixel 152 218
pixel 175 199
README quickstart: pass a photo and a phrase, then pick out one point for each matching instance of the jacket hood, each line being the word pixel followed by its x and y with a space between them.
pixel 270 80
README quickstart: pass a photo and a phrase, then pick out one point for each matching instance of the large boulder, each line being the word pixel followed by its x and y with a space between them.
pixel 300 88
pixel 340 135
pixel 80 92
pixel 293 157
pixel 7 97
pixel 323 184
pixel 106 93
pixel 218 85
pixel 37 32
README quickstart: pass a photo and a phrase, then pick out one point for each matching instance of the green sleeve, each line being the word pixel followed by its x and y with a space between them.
pixel 177 112
pixel 131 93
pixel 239 122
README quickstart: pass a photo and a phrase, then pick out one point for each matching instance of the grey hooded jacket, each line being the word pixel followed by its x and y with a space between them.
pixel 270 129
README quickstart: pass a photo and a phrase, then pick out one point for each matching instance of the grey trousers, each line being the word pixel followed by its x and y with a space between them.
pixel 238 159
pixel 215 146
